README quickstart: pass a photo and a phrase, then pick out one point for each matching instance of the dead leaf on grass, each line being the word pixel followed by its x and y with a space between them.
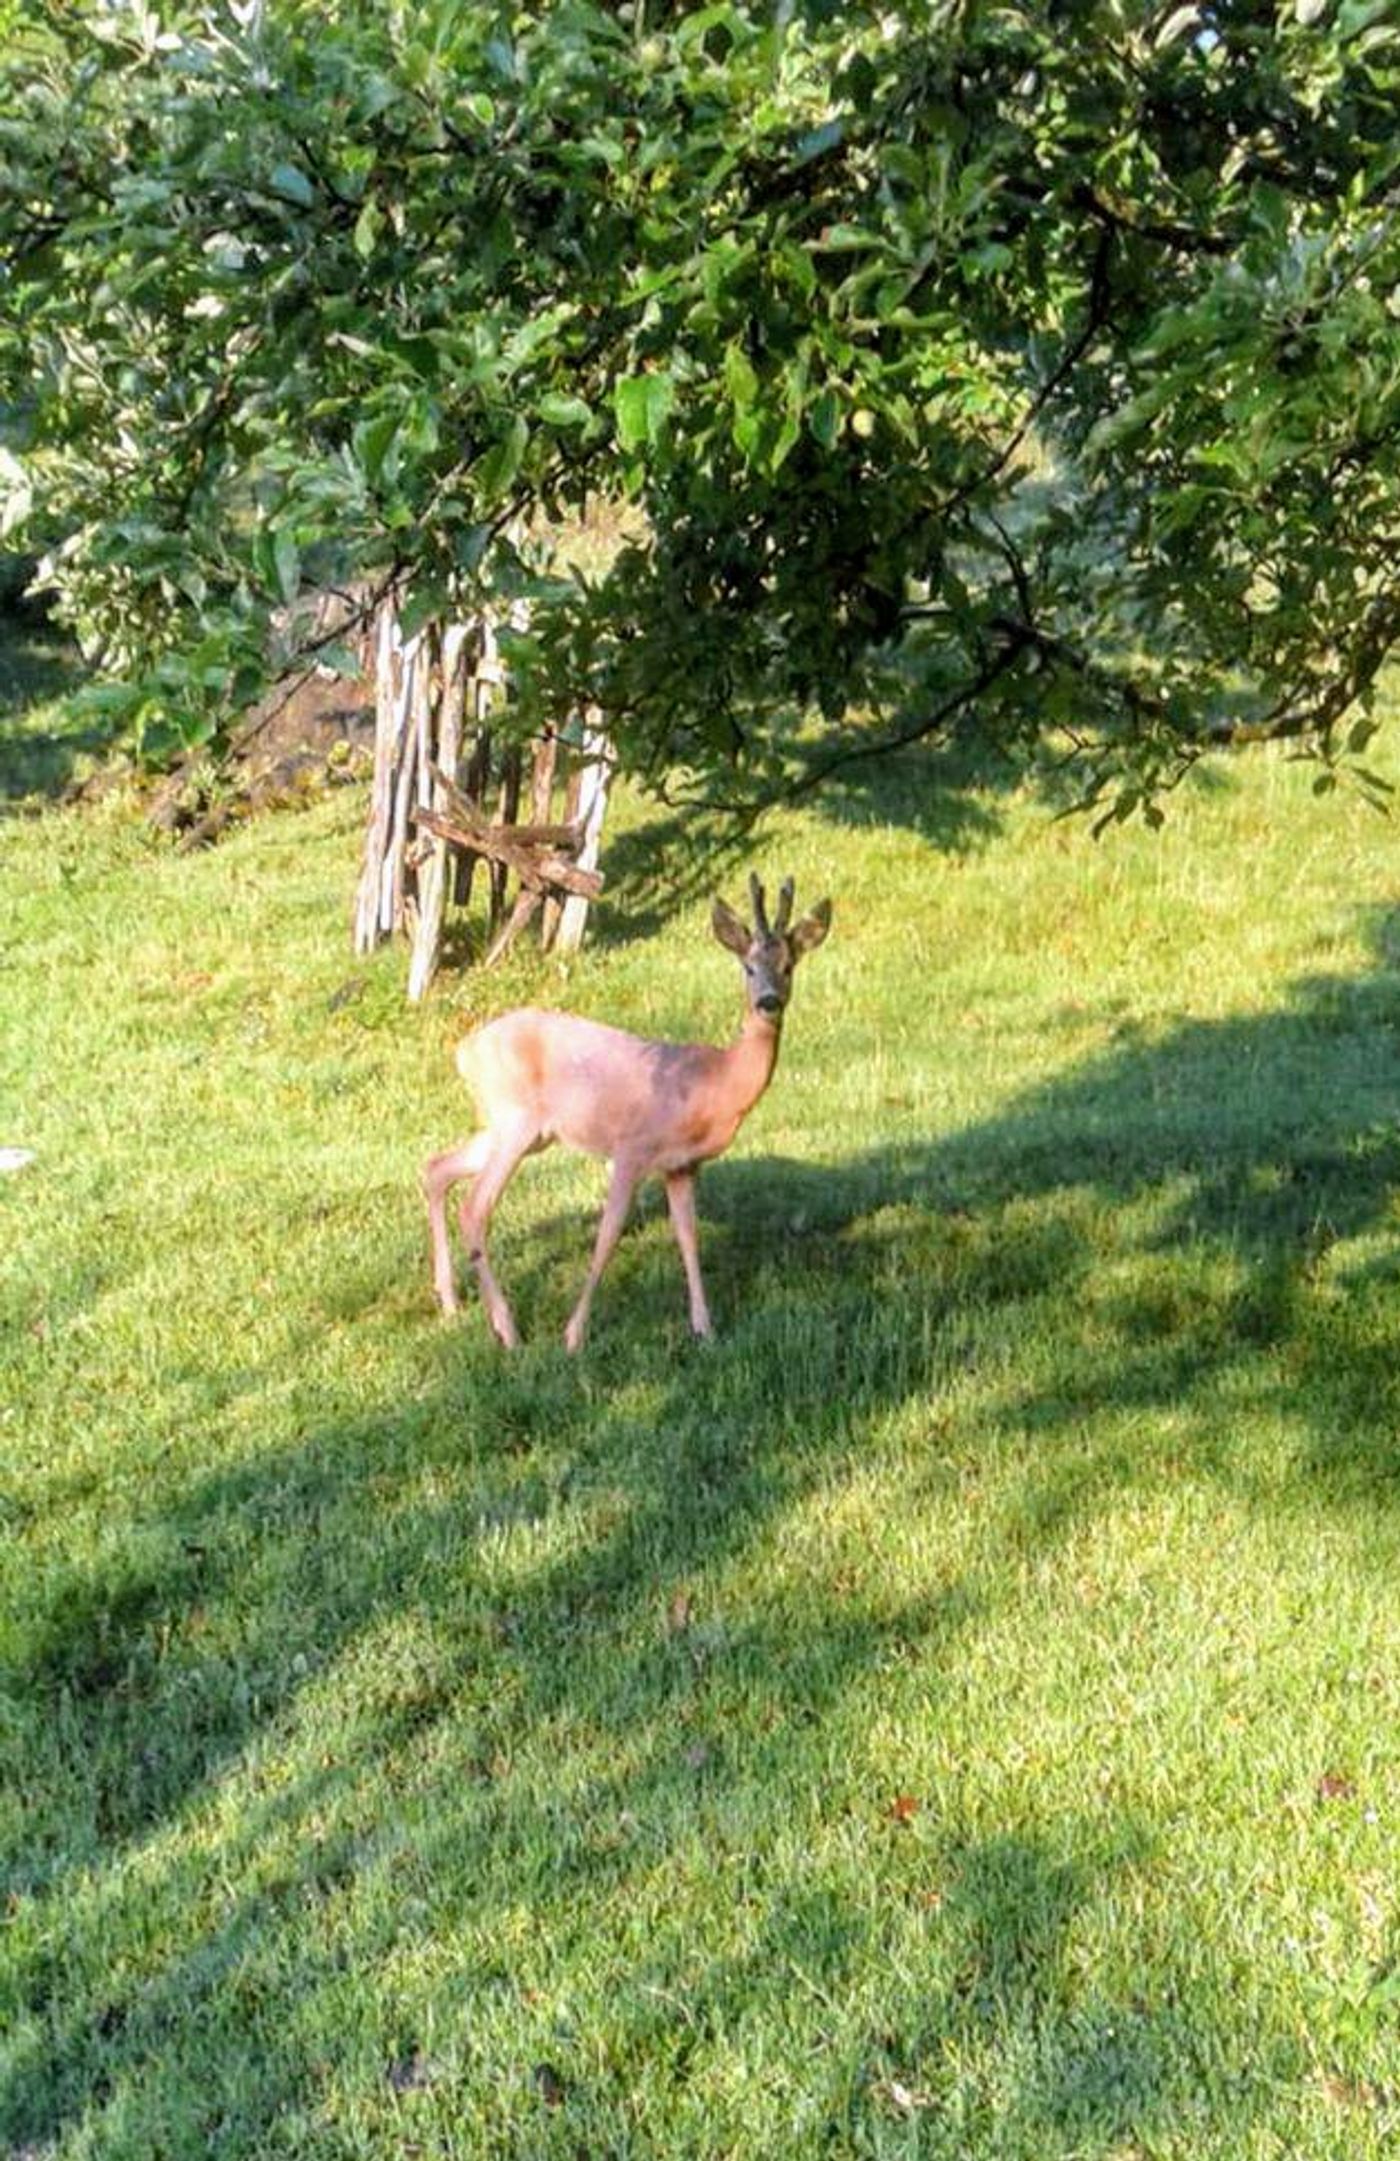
pixel 1349 2093
pixel 904 2100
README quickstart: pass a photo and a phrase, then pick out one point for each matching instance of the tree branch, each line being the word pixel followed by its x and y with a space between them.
pixel 1315 710
pixel 1096 314
pixel 918 730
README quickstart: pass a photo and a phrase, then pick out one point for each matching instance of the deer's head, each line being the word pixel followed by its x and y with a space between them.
pixel 770 951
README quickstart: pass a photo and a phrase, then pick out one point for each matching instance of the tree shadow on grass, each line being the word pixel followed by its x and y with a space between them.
pixel 949 794
pixel 675 858
pixel 976 2039
pixel 516 1582
pixel 946 792
pixel 39 748
pixel 654 869
pixel 1241 1177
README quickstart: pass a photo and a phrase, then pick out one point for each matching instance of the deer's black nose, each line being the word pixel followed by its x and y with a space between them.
pixel 769 1002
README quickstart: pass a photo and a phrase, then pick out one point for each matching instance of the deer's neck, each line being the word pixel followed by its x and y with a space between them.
pixel 749 1063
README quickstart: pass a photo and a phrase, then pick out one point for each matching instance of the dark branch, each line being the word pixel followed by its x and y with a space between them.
pixel 1315 709
pixel 1095 316
pixel 917 731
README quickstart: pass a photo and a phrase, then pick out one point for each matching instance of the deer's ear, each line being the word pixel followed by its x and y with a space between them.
pixel 807 935
pixel 729 929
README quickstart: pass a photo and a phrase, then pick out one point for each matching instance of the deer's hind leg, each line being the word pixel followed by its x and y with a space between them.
pixel 503 1150
pixel 440 1174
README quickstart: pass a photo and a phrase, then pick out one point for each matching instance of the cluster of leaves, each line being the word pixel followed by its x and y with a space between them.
pixel 973 365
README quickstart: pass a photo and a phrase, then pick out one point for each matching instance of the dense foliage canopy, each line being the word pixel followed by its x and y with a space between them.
pixel 993 366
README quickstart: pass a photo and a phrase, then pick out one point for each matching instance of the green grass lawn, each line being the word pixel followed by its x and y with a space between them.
pixel 954 1714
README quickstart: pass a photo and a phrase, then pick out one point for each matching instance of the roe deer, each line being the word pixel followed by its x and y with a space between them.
pixel 651 1108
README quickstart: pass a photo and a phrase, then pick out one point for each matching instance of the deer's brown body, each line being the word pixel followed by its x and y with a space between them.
pixel 649 1108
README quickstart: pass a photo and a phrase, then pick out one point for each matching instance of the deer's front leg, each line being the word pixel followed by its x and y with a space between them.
pixel 680 1198
pixel 619 1200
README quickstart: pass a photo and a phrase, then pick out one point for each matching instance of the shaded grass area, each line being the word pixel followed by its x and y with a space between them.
pixel 953 1714
pixel 41 743
pixel 950 795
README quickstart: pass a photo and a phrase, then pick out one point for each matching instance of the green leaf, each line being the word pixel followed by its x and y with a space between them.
pixel 796 266
pixel 818 141
pixel 427 601
pixel 367 227
pixel 824 419
pixel 1176 25
pixel 784 443
pixel 719 263
pixel 562 411
pixel 469 546
pixel 372 439
pixel 692 29
pixel 502 462
pixel 287 557
pixel 292 184
pixel 843 239
pixel 987 260
pixel 748 433
pixel 642 403
pixel 739 378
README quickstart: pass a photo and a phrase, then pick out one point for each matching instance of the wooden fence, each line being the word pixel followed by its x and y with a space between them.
pixel 447 796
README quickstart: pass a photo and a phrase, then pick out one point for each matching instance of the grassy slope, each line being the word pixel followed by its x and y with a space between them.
pixel 953 1715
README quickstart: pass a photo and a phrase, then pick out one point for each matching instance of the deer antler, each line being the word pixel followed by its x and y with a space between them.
pixel 785 892
pixel 760 911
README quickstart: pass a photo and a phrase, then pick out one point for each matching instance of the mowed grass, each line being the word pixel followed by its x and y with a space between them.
pixel 954 1714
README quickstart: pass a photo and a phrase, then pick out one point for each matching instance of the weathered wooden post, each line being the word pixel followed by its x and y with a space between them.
pixel 594 779
pixel 428 821
pixel 434 852
pixel 381 876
